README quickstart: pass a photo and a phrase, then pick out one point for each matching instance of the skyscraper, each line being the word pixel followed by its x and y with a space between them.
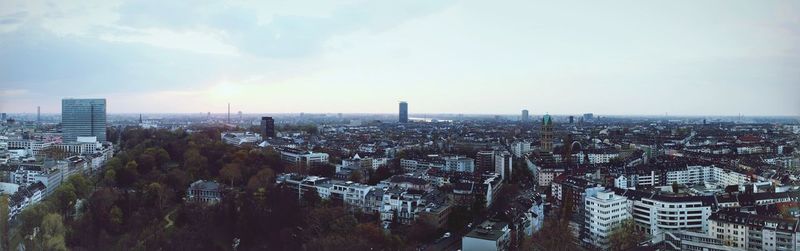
pixel 546 144
pixel 525 117
pixel 83 118
pixel 38 115
pixel 267 127
pixel 403 112
pixel 571 119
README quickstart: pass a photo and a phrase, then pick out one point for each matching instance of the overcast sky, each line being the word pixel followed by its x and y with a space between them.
pixel 559 57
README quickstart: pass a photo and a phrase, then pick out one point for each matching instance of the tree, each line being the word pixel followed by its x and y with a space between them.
pixel 146 163
pixel 262 179
pixel 555 235
pixel 382 173
pixel 3 223
pixel 156 195
pixel 478 205
pixel 626 236
pixel 53 230
pixel 231 172
pixel 675 187
pixel 64 197
pixel 356 176
pixel 128 175
pixel 110 178
pixel 81 185
pixel 195 163
pixel 115 218
pixel 311 198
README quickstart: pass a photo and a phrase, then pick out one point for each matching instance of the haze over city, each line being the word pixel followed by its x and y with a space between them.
pixel 618 58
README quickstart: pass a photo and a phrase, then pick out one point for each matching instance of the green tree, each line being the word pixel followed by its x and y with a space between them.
pixel 195 163
pixel 82 186
pixel 231 172
pixel 3 223
pixel 625 236
pixel 110 178
pixel 262 179
pixel 52 233
pixel 675 187
pixel 156 195
pixel 128 175
pixel 64 198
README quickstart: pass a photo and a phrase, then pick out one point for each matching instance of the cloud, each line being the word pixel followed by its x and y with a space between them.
pixel 12 92
pixel 282 35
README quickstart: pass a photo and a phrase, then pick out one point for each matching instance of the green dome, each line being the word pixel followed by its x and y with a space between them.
pixel 546 120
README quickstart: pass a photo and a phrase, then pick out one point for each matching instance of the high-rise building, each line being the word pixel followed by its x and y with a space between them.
pixel 604 212
pixel 267 127
pixel 571 119
pixel 525 117
pixel 38 115
pixel 83 118
pixel 588 117
pixel 546 140
pixel 403 112
pixel 484 161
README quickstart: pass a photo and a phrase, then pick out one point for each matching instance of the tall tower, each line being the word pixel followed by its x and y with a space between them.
pixel 229 113
pixel 38 115
pixel 83 118
pixel 267 127
pixel 546 144
pixel 403 112
pixel 525 117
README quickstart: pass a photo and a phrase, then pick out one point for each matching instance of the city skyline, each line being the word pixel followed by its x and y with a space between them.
pixel 682 58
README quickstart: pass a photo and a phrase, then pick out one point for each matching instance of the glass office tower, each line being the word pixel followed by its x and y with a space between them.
pixel 83 118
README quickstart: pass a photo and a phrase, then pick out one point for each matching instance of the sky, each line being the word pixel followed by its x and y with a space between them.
pixel 352 56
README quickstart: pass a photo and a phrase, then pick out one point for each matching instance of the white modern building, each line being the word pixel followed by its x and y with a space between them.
pixel 488 236
pixel 656 214
pixel 605 211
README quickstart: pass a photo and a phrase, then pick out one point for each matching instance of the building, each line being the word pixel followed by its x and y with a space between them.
pixel 604 212
pixel 240 138
pixel 504 164
pixel 403 112
pixel 754 232
pixel 525 116
pixel 458 164
pixel 588 117
pixel 688 240
pixel 83 118
pixel 267 127
pixel 202 191
pixel 24 197
pixel 299 157
pixel 521 148
pixel 484 161
pixel 657 214
pixel 490 235
pixel 546 140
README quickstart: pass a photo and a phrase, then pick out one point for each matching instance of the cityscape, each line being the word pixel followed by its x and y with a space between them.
pixel 332 126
